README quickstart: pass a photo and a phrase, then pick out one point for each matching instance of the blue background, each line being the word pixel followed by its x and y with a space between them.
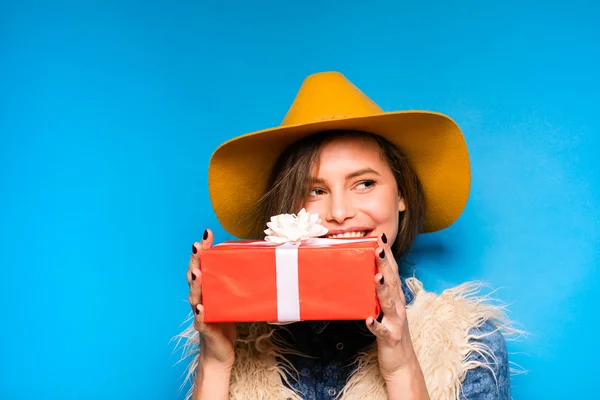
pixel 110 111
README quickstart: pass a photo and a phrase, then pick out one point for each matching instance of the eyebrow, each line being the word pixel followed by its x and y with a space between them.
pixel 351 175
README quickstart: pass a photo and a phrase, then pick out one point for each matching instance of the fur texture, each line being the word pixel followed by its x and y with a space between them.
pixel 435 322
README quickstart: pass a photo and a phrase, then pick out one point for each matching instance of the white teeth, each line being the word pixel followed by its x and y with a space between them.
pixel 347 235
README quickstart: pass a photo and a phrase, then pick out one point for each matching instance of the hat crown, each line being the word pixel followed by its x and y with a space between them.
pixel 328 96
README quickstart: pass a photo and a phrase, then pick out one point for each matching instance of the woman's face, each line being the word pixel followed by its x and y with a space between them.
pixel 354 191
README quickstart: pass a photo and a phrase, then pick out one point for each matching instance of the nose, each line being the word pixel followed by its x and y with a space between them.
pixel 340 209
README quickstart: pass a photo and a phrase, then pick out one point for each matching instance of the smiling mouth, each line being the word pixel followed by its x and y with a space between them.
pixel 353 234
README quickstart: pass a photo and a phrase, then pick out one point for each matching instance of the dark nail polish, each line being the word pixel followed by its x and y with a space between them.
pixel 194 249
pixel 194 276
pixel 197 311
pixel 384 238
pixel 381 281
pixel 372 323
pixel 380 317
pixel 382 254
pixel 205 234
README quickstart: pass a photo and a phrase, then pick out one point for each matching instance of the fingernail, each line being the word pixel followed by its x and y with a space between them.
pixel 384 238
pixel 380 281
pixel 205 234
pixel 194 276
pixel 197 311
pixel 372 323
pixel 194 249
pixel 382 254
pixel 380 317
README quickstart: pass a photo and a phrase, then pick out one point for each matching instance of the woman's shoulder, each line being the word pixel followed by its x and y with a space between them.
pixel 490 379
pixel 490 336
pixel 474 327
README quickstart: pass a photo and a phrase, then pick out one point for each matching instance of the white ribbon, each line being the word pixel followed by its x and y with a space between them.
pixel 286 269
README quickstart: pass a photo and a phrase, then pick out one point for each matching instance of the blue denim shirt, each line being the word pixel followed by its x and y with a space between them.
pixel 323 376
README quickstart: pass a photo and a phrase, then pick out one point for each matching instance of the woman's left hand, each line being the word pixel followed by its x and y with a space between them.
pixel 395 350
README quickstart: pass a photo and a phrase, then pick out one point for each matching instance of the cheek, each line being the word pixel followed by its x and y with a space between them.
pixel 384 212
pixel 387 221
pixel 383 209
pixel 315 207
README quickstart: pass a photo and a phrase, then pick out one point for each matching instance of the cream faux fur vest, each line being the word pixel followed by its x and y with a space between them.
pixel 439 328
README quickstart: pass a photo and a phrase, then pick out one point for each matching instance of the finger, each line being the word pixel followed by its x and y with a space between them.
pixel 207 239
pixel 386 265
pixel 383 243
pixel 384 268
pixel 388 300
pixel 377 328
pixel 194 274
pixel 199 324
pixel 197 248
pixel 207 331
pixel 194 261
pixel 195 296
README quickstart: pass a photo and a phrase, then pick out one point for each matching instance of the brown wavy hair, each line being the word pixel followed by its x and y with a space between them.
pixel 289 184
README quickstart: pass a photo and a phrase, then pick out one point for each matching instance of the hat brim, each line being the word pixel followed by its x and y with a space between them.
pixel 432 142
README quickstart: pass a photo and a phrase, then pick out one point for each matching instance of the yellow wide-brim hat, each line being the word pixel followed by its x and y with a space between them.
pixel 433 143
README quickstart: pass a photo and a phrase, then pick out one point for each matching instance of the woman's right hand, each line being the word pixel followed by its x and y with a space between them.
pixel 217 340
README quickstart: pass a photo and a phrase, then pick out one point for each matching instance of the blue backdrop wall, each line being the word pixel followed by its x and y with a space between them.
pixel 110 111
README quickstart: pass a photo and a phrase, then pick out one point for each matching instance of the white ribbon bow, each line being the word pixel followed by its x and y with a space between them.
pixel 286 228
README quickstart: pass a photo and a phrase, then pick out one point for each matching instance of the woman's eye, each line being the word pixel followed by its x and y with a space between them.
pixel 316 192
pixel 365 185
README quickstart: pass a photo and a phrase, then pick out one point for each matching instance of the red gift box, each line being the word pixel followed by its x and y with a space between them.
pixel 319 279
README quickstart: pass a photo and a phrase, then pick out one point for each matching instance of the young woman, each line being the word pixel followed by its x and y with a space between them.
pixel 366 173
